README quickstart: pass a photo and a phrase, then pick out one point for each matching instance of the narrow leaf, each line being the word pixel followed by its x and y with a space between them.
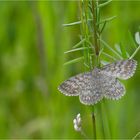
pixel 77 49
pixel 136 136
pixel 115 52
pixel 73 23
pixel 74 61
pixel 135 52
pixel 79 43
pixel 103 27
pixel 89 43
pixel 104 4
pixel 107 20
pixel 109 56
pixel 86 65
pixel 137 37
pixel 101 51
pixel 117 47
pixel 103 62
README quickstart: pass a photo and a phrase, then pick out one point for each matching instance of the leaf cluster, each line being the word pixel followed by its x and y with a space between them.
pixel 87 44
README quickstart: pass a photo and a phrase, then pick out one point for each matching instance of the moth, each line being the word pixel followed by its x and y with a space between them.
pixel 93 86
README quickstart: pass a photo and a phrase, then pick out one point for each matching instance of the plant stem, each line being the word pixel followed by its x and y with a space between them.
pixel 85 31
pixel 95 29
pixel 104 127
pixel 105 120
pixel 99 122
pixel 94 125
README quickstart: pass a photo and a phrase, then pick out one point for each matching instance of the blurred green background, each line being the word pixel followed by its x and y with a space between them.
pixel 32 45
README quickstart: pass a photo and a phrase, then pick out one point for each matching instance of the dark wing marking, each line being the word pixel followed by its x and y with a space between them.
pixel 93 92
pixel 72 86
pixel 112 88
pixel 122 69
pixel 90 95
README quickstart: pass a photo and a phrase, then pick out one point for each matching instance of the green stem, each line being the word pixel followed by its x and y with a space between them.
pixel 94 125
pixel 102 122
pixel 95 29
pixel 99 122
pixel 97 60
pixel 97 50
pixel 106 127
pixel 85 31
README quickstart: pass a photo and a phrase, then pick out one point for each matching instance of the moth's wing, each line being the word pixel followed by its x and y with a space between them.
pixel 123 69
pixel 72 86
pixel 92 93
pixel 112 88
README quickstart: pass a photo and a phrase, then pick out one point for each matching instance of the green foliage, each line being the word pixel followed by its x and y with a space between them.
pixel 32 46
pixel 87 29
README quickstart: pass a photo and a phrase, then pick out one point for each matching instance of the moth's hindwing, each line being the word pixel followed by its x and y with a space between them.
pixel 92 93
pixel 112 88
